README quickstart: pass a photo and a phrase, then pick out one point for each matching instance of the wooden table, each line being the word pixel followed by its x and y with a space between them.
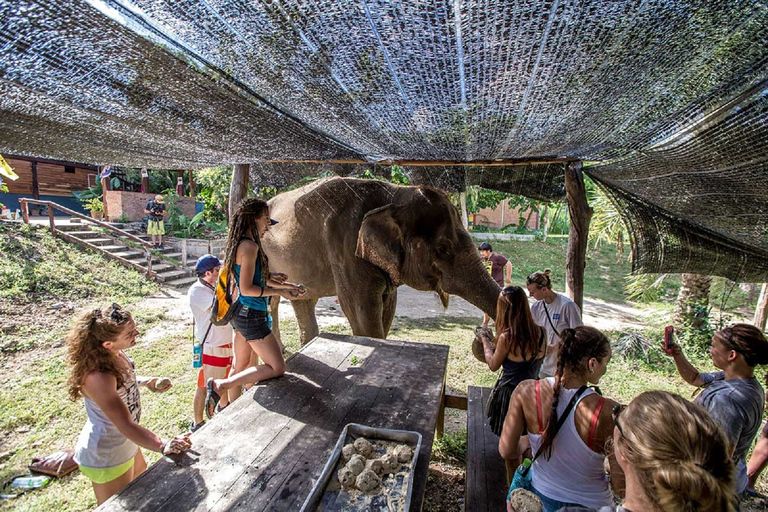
pixel 268 448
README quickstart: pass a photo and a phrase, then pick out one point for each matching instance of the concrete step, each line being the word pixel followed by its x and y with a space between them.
pixel 83 235
pixel 101 241
pixel 181 283
pixel 113 248
pixel 173 274
pixel 130 255
pixel 162 267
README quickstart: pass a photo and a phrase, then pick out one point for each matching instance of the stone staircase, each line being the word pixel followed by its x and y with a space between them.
pixel 166 264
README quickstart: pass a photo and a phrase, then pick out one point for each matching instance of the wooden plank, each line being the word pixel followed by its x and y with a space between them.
pixel 456 402
pixel 434 163
pixel 224 450
pixel 486 479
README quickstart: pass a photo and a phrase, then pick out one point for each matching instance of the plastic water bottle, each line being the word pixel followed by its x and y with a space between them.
pixel 30 482
pixel 197 355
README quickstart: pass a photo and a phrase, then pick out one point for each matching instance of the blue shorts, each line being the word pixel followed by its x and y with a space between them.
pixel 252 324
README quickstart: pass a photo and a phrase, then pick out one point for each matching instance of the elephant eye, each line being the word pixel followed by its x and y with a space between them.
pixel 444 250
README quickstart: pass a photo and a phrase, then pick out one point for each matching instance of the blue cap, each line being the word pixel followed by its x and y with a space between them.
pixel 272 222
pixel 206 263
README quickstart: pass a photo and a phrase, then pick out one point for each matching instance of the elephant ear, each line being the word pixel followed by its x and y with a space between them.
pixel 380 241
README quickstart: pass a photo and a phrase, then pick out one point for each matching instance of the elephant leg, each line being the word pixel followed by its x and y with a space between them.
pixel 274 306
pixel 364 314
pixel 388 313
pixel 305 316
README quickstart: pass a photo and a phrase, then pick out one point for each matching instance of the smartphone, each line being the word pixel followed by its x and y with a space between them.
pixel 669 339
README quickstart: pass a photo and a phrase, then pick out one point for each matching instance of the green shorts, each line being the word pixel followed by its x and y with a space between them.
pixel 156 227
pixel 102 476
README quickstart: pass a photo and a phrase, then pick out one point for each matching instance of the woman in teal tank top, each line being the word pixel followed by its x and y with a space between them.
pixel 256 285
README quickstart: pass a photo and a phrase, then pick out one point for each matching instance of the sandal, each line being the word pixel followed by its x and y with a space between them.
pixel 211 399
pixel 219 408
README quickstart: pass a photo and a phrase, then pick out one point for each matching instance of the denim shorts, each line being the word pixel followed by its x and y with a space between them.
pixel 252 324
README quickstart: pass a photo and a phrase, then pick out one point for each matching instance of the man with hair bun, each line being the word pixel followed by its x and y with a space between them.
pixel 733 396
pixel 554 312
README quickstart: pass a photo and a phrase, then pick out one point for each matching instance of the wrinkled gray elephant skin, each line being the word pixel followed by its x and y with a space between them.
pixel 361 239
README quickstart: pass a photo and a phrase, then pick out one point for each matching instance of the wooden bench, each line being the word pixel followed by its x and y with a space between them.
pixel 486 481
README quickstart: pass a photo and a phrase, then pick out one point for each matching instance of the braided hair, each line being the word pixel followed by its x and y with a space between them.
pixel 242 226
pixel 577 347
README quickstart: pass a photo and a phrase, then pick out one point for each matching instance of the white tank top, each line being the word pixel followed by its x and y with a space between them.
pixel 101 445
pixel 574 473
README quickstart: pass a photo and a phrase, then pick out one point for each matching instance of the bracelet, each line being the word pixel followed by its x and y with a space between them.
pixel 262 291
pixel 163 446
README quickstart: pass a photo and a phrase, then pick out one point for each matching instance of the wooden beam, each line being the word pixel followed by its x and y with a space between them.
pixel 761 311
pixel 456 401
pixel 180 183
pixel 238 189
pixel 436 163
pixel 580 215
pixel 51 161
pixel 191 184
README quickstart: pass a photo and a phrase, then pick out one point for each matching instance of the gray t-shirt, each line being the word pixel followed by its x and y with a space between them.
pixel 737 405
pixel 564 314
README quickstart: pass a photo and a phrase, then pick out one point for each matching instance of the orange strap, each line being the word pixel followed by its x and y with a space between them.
pixel 593 427
pixel 538 408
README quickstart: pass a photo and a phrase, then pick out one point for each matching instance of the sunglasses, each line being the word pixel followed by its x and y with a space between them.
pixel 615 412
pixel 117 314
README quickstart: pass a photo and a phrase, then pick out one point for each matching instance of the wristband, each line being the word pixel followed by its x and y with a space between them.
pixel 163 446
pixel 262 291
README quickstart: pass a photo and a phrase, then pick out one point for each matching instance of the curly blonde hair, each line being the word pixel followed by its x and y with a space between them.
pixel 85 352
pixel 679 453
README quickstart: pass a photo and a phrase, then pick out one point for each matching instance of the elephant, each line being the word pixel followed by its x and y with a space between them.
pixel 360 239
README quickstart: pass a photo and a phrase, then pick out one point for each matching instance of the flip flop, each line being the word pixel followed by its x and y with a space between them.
pixel 211 399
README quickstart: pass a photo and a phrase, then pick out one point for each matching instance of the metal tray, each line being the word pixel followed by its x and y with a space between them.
pixel 328 496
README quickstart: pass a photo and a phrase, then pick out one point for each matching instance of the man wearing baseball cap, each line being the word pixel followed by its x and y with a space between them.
pixel 155 210
pixel 216 340
pixel 497 265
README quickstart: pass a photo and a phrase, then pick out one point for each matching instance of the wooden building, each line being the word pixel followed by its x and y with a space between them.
pixel 51 180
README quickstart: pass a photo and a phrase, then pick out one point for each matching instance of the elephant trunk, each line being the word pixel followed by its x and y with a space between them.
pixel 470 280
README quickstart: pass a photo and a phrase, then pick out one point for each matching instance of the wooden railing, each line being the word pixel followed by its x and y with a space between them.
pixel 25 202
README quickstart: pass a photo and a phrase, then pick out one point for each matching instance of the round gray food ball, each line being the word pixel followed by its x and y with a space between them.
pixel 404 453
pixel 363 447
pixel 525 501
pixel 346 477
pixel 376 466
pixel 356 464
pixel 390 463
pixel 367 481
pixel 348 451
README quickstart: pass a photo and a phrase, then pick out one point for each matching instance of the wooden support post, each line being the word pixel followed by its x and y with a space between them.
pixel 50 220
pixel 761 312
pixel 144 181
pixel 180 184
pixel 24 211
pixel 191 184
pixel 440 427
pixel 184 251
pixel 104 189
pixel 238 189
pixel 580 215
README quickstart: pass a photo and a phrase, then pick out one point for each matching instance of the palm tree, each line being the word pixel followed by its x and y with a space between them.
pixel 692 307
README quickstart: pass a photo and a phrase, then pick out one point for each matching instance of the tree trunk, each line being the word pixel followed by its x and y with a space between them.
pixel 761 312
pixel 543 223
pixel 580 214
pixel 238 189
pixel 463 203
pixel 692 306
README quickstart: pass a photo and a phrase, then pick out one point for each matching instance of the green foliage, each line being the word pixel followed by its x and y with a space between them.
pixel 645 288
pixel 159 180
pixel 606 224
pixel 123 219
pixel 93 204
pixel 89 193
pixel 398 176
pixel 451 448
pixel 212 189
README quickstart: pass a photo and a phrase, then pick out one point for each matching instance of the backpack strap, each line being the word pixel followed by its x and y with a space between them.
pixel 539 414
pixel 593 426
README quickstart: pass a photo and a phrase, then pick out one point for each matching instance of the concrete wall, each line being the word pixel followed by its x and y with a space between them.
pixel 132 205
pixel 502 216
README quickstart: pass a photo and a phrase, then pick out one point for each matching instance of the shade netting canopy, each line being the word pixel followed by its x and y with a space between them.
pixel 665 102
